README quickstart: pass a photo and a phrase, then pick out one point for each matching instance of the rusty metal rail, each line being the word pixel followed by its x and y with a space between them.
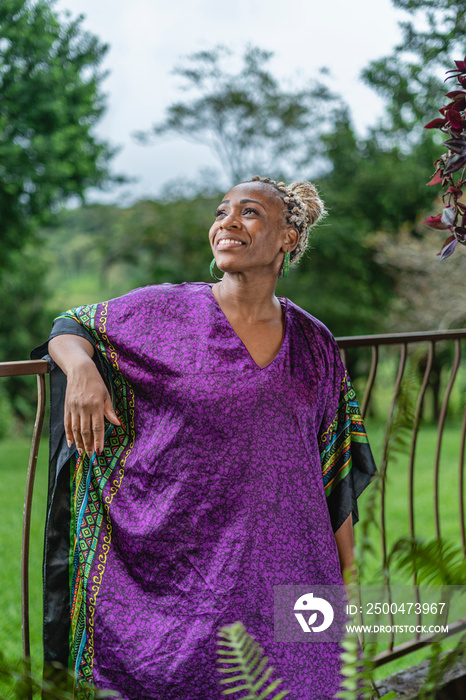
pixel 404 341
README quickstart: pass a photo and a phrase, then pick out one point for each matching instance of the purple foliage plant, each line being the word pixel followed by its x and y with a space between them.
pixel 447 167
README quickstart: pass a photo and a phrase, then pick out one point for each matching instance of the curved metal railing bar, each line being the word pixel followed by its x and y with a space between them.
pixel 383 469
pixel 371 380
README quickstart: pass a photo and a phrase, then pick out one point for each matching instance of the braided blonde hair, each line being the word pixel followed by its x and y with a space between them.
pixel 304 208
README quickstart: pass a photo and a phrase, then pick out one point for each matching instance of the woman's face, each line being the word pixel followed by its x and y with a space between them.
pixel 250 229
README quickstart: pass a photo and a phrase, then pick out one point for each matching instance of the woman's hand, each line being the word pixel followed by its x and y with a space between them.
pixel 87 401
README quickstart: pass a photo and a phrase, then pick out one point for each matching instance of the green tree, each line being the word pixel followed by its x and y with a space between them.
pixel 250 122
pixel 412 78
pixel 50 100
pixel 376 185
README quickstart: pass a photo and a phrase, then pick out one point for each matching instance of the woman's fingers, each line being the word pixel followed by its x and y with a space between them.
pixel 85 422
pixel 87 434
pixel 109 412
pixel 68 428
pixel 76 430
pixel 98 426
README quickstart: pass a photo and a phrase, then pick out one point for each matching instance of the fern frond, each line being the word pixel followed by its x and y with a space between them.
pixel 247 662
pixel 433 562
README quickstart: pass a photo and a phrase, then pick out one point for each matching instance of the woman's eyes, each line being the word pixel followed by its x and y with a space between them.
pixel 248 210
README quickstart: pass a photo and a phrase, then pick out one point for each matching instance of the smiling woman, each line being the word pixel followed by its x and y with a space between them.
pixel 211 450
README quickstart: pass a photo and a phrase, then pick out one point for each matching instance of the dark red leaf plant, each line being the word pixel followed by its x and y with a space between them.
pixel 451 166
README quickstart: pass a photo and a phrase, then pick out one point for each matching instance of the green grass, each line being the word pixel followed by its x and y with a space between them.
pixel 13 465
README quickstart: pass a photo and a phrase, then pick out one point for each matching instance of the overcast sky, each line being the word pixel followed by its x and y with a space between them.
pixel 147 38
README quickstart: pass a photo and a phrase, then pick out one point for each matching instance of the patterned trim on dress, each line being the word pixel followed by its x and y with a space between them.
pixel 335 442
pixel 90 507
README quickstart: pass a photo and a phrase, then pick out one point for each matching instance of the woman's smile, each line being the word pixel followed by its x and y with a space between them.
pixel 224 242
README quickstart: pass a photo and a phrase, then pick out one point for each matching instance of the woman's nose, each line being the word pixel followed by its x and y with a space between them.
pixel 229 221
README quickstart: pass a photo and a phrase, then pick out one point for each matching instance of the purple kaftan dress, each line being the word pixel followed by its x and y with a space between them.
pixel 212 493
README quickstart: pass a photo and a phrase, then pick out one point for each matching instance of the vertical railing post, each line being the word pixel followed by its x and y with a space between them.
pixel 371 380
pixel 383 474
pixel 27 526
pixel 461 484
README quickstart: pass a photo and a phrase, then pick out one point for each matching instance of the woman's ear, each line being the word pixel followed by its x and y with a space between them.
pixel 291 239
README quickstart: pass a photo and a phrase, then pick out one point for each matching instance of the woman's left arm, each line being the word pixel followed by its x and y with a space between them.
pixel 345 544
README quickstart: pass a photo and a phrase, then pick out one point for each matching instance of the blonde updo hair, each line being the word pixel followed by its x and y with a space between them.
pixel 304 208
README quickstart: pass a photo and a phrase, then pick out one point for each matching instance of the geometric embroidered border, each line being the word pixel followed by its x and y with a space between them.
pixel 89 507
pixel 335 442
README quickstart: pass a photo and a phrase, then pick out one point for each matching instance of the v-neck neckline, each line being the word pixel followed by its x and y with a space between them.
pixel 284 306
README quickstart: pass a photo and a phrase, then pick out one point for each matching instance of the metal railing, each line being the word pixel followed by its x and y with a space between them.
pixel 404 342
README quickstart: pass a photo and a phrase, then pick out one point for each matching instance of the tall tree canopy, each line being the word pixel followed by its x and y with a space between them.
pixel 250 122
pixel 50 100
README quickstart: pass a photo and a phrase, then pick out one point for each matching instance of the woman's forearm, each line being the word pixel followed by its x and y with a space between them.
pixel 70 351
pixel 345 544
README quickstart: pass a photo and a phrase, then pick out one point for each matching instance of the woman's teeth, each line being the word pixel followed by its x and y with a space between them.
pixel 228 241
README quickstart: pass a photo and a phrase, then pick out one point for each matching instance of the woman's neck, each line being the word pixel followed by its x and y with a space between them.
pixel 252 300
